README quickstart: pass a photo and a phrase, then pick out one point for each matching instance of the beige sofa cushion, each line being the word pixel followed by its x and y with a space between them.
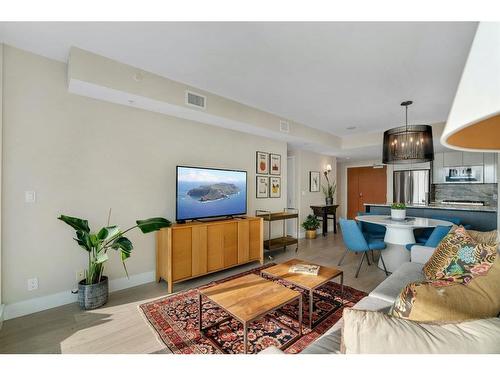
pixel 364 331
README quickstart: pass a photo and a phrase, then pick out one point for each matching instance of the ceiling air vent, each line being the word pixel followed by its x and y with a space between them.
pixel 196 100
pixel 284 127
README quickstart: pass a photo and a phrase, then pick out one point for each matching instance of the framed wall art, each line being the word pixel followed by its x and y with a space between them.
pixel 274 187
pixel 275 164
pixel 262 187
pixel 314 181
pixel 262 162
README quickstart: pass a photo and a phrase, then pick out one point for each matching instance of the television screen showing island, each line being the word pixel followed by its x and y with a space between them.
pixel 204 192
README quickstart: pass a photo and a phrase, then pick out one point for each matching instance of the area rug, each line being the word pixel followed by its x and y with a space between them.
pixel 175 319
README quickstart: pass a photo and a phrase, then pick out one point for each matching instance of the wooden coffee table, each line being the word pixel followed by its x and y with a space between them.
pixel 307 282
pixel 249 298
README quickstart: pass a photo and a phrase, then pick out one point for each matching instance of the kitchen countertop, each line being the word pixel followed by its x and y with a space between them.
pixel 441 206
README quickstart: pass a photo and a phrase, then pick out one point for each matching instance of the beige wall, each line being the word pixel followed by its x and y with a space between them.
pixel 306 161
pixel 342 182
pixel 1 142
pixel 82 156
pixel 100 72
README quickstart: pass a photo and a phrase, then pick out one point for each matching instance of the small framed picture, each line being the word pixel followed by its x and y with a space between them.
pixel 274 187
pixel 262 187
pixel 275 164
pixel 262 162
pixel 314 181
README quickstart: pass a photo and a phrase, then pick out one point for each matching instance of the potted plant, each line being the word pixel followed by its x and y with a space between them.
pixel 329 189
pixel 398 211
pixel 310 224
pixel 93 290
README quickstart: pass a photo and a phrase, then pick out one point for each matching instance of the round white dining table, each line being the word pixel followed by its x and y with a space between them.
pixel 399 233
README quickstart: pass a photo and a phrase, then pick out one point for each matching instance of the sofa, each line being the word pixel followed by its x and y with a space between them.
pixel 380 299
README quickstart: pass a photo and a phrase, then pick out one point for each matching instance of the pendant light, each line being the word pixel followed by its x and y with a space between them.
pixel 409 143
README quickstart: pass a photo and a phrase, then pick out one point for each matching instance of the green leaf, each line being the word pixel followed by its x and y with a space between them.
pixel 83 239
pixel 108 232
pixel 122 243
pixel 94 240
pixel 76 223
pixel 101 258
pixel 153 224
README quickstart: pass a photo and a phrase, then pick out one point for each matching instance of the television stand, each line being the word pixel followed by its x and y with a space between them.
pixel 186 251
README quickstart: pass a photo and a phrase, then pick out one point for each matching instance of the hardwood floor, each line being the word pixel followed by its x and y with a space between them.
pixel 119 326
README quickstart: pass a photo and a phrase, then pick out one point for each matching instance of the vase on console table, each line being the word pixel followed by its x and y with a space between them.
pixel 329 201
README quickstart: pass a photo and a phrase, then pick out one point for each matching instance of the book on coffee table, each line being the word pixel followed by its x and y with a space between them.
pixel 306 269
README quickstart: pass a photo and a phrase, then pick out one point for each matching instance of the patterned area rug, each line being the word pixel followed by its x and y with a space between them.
pixel 175 319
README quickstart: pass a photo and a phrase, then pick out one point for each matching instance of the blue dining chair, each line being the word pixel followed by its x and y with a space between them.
pixel 437 234
pixel 371 231
pixel 422 235
pixel 356 242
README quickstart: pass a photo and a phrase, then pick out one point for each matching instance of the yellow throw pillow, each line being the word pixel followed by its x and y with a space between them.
pixel 489 238
pixel 450 301
pixel 446 251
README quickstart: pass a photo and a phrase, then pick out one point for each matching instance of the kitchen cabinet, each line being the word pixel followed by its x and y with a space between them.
pixel 411 166
pixel 453 159
pixel 472 158
pixel 459 159
pixel 437 168
pixel 490 168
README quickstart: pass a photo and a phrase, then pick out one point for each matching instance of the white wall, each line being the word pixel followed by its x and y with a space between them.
pixel 306 161
pixel 83 156
pixel 342 182
pixel 1 141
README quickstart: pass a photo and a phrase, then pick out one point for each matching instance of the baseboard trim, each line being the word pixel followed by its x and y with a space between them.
pixel 30 306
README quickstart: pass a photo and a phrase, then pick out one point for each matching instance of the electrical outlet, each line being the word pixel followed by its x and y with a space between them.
pixel 29 196
pixel 33 284
pixel 80 275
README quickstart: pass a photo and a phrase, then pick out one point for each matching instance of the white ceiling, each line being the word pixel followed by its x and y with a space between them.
pixel 325 75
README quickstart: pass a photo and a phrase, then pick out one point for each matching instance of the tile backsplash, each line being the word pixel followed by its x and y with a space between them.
pixel 473 192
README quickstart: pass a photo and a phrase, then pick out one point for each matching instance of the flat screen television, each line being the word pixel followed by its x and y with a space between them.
pixel 209 193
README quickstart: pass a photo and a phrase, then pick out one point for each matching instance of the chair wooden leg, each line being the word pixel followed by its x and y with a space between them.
pixel 368 258
pixel 373 257
pixel 343 256
pixel 383 263
pixel 360 263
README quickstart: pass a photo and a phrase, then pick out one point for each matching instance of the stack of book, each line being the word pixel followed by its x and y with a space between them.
pixel 306 269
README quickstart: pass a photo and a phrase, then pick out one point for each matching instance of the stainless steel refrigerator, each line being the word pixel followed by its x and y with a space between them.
pixel 412 187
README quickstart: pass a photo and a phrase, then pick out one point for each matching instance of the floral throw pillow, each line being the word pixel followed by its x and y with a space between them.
pixel 469 262
pixel 446 251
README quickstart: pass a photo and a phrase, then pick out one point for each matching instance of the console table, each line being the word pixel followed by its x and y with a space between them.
pixel 325 212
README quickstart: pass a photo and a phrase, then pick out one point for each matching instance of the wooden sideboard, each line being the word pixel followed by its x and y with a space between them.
pixel 186 251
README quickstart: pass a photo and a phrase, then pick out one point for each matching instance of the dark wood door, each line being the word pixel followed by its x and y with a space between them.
pixel 365 185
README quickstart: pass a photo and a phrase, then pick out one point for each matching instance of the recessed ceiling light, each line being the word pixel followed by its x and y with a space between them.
pixel 351 128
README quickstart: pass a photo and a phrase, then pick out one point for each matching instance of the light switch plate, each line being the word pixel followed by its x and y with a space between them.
pixel 33 284
pixel 29 196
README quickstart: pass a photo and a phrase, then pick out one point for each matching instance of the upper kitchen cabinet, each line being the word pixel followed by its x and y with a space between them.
pixel 411 167
pixel 453 159
pixel 473 158
pixel 437 168
pixel 464 159
pixel 490 168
